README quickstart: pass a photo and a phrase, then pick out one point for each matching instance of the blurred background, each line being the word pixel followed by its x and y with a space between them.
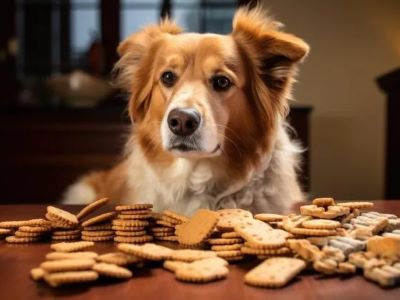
pixel 60 117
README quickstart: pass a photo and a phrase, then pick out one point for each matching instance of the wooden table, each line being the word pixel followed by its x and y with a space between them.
pixel 155 283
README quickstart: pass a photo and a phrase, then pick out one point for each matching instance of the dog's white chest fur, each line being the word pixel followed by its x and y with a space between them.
pixel 185 185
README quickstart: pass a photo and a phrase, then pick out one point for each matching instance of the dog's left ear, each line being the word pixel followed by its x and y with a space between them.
pixel 273 53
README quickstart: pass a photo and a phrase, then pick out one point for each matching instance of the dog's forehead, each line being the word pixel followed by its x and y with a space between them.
pixel 204 43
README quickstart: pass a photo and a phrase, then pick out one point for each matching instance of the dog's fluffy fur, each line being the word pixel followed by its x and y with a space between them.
pixel 244 157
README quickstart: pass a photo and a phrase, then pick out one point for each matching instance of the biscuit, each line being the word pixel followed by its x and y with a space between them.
pixel 357 205
pixel 346 268
pixel 136 212
pixel 91 207
pixel 31 222
pixel 305 249
pixel 118 258
pixel 174 215
pixel 201 271
pixel 385 276
pixel 127 228
pixel 98 233
pixel 255 251
pixel 172 238
pixel 321 224
pixel 325 266
pixel 230 235
pixel 65 237
pixel 134 217
pixel 198 228
pixel 129 223
pixel 62 278
pixel 148 251
pixel 312 232
pixel 62 215
pixel 190 255
pixel 269 217
pixel 19 233
pixel 230 217
pixel 112 270
pixel 71 246
pixel 133 239
pixel 37 274
pixel 162 234
pixel 97 238
pixel 173 265
pixel 104 226
pixel 161 229
pixel 324 202
pixel 260 236
pixel 68 264
pixel 130 233
pixel 384 246
pixel 34 229
pixel 170 220
pixel 222 241
pixel 330 212
pixel 66 232
pixel 165 223
pixel 66 255
pixel 138 206
pixel 20 240
pixel 228 253
pixel 99 219
pixel 234 258
pixel 5 231
pixel 274 272
pixel 226 247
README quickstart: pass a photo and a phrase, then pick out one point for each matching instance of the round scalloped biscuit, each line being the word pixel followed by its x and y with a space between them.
pixel 99 219
pixel 255 251
pixel 133 239
pixel 127 228
pixel 130 233
pixel 313 232
pixel 105 226
pixel 269 217
pixel 134 217
pixel 91 207
pixel 321 224
pixel 112 270
pixel 105 238
pixel 62 215
pixel 65 237
pixel 161 229
pixel 98 233
pixel 222 241
pixel 230 235
pixel 228 253
pixel 137 206
pixel 175 215
pixel 165 223
pixel 130 223
pixel 20 240
pixel 62 278
pixel 66 232
pixel 162 234
pixel 31 222
pixel 19 233
pixel 35 228
pixel 226 247
pixel 136 212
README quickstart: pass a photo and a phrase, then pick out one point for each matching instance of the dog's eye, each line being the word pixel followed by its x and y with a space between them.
pixel 168 78
pixel 221 83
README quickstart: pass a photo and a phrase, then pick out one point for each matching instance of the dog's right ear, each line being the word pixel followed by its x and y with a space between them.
pixel 133 71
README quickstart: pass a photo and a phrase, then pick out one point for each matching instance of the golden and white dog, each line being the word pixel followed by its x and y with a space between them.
pixel 208 114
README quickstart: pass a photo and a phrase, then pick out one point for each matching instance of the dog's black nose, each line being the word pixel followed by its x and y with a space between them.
pixel 183 122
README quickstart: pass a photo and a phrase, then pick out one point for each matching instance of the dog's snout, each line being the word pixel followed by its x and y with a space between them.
pixel 183 122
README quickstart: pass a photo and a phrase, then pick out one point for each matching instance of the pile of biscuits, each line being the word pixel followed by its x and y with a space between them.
pixel 328 237
pixel 69 264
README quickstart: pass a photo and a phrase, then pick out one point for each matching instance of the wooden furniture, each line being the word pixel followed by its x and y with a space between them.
pixel 152 282
pixel 43 151
pixel 390 84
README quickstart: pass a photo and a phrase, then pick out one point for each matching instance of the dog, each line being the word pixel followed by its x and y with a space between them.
pixel 208 114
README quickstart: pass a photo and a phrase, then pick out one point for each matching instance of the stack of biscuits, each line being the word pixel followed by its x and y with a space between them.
pixel 131 223
pixel 165 224
pixel 65 225
pixel 97 228
pixel 27 231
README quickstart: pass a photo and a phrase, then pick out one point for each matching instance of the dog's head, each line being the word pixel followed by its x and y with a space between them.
pixel 207 95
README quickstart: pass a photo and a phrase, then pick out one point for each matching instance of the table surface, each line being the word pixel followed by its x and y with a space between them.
pixel 155 283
